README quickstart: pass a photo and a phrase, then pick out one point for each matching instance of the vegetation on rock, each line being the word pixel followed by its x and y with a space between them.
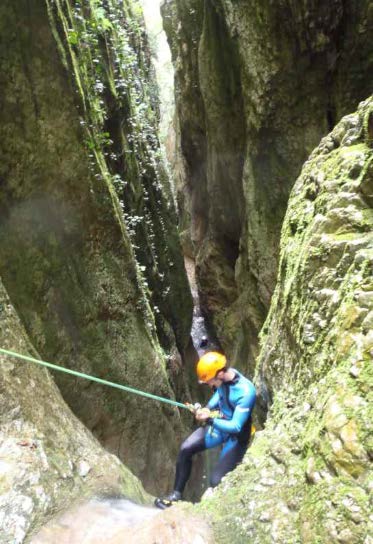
pixel 89 252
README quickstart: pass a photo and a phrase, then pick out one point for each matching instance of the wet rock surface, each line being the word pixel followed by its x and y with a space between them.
pixel 94 522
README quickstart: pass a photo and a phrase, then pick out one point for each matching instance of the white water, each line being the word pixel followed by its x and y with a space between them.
pixel 199 329
pixel 94 522
pixel 119 521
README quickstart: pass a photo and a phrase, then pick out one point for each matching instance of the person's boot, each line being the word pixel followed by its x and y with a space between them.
pixel 168 500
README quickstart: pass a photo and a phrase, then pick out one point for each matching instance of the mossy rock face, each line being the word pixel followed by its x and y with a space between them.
pixel 307 476
pixel 258 83
pixel 89 252
pixel 48 458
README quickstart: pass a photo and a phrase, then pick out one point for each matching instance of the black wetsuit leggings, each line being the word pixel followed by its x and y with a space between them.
pixel 195 443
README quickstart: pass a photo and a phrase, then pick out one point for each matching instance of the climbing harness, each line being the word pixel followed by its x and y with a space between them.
pixel 93 378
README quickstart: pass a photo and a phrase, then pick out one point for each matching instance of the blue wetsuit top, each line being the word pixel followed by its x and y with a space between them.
pixel 235 401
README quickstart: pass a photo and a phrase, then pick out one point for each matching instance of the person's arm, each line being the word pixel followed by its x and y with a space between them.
pixel 204 414
pixel 241 414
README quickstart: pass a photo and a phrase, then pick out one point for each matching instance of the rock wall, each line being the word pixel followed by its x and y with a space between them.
pixel 48 458
pixel 307 476
pixel 257 85
pixel 89 252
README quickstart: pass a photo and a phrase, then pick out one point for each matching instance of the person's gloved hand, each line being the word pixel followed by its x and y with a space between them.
pixel 203 414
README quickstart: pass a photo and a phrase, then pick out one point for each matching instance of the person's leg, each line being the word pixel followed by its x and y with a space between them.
pixel 231 455
pixel 192 445
pixel 202 439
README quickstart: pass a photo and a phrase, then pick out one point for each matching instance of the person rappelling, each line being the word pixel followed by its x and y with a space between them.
pixel 226 421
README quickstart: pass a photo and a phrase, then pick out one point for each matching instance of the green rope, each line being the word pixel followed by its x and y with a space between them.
pixel 93 378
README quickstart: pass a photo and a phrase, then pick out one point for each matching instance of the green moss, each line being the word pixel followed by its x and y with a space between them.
pixel 109 58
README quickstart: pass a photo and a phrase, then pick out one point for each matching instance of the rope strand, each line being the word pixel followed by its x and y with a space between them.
pixel 93 378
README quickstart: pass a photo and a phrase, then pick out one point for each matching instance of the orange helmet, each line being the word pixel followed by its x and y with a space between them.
pixel 209 365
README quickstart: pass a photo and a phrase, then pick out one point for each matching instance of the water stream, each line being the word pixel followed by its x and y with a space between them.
pixel 119 521
pixel 94 522
pixel 203 339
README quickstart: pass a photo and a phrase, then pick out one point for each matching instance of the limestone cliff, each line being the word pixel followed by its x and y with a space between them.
pixel 89 252
pixel 307 477
pixel 48 458
pixel 258 83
